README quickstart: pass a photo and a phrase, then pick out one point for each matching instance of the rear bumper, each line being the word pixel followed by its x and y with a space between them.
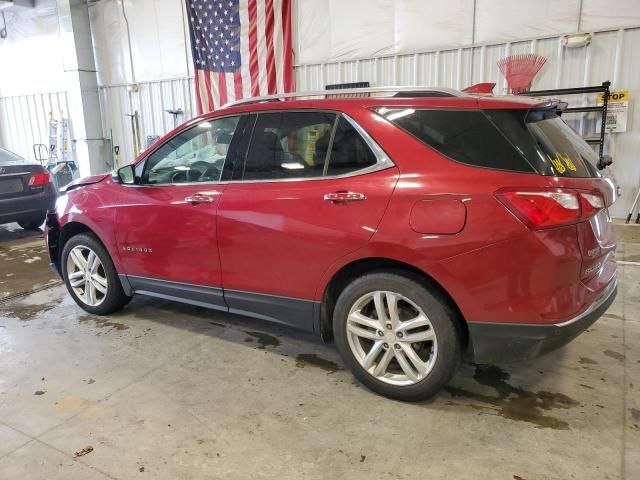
pixel 505 342
pixel 18 208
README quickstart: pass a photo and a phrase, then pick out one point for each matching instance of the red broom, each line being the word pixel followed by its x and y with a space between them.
pixel 519 70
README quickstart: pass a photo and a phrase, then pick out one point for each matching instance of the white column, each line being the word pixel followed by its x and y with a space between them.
pixel 91 149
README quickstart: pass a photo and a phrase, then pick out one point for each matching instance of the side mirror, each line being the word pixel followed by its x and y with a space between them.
pixel 126 175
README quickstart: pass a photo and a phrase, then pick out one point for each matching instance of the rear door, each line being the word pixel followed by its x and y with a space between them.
pixel 311 190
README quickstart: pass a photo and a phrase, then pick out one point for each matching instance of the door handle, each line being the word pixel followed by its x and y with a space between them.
pixel 198 198
pixel 343 197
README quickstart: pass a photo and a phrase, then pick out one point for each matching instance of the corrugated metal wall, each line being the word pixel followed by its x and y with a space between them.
pixel 151 100
pixel 24 120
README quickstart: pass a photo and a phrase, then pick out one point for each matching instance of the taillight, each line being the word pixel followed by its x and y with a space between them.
pixel 550 208
pixel 40 179
pixel 591 204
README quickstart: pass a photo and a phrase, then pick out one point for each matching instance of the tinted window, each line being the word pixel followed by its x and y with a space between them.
pixel 562 151
pixel 512 124
pixel 194 155
pixel 349 151
pixel 289 145
pixel 467 136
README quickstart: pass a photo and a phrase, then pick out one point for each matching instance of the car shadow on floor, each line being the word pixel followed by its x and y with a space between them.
pixel 308 349
pixel 488 389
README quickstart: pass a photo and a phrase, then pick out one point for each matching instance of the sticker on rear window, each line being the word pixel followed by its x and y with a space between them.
pixel 561 162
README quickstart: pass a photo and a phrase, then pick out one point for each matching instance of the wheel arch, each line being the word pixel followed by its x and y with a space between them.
pixel 362 266
pixel 66 232
pixel 70 230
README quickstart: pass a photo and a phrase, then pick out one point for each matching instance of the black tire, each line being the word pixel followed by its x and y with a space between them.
pixel 443 320
pixel 115 298
pixel 32 223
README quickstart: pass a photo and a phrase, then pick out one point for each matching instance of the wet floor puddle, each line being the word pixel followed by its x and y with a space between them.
pixel 264 340
pixel 613 354
pixel 102 322
pixel 514 403
pixel 24 312
pixel 312 360
pixel 22 268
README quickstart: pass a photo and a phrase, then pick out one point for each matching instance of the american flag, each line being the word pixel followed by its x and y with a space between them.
pixel 240 49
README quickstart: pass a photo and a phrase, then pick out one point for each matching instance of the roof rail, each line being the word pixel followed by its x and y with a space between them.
pixel 356 93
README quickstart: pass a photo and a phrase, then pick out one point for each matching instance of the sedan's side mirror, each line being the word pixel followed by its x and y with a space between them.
pixel 126 175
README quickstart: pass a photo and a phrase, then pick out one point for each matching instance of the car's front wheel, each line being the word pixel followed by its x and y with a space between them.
pixel 397 336
pixel 90 275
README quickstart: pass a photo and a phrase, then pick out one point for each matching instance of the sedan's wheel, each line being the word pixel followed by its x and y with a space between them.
pixel 32 224
pixel 90 276
pixel 398 337
pixel 87 276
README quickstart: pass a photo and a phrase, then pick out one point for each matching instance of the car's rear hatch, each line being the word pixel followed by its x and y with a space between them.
pixel 558 151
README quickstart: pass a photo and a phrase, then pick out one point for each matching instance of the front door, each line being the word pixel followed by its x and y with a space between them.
pixel 166 224
pixel 295 210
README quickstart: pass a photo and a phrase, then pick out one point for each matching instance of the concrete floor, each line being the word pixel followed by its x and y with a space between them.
pixel 167 391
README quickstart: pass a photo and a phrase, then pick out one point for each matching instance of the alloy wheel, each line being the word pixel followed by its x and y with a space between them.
pixel 392 338
pixel 87 276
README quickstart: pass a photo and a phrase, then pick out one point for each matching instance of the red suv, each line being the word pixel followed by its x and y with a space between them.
pixel 413 227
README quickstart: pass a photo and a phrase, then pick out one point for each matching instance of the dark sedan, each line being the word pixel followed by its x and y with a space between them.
pixel 26 191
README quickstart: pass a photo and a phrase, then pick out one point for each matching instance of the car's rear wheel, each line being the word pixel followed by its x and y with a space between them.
pixel 90 275
pixel 31 223
pixel 397 336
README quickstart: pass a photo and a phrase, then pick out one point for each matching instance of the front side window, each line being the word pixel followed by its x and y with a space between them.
pixel 194 155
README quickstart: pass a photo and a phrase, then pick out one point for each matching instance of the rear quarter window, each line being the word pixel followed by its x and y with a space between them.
pixel 466 136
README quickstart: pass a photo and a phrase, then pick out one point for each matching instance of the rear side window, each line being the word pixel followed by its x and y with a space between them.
pixel 289 145
pixel 304 145
pixel 349 151
pixel 466 136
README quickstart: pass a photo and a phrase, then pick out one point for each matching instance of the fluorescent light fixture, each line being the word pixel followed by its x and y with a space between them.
pixel 576 40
